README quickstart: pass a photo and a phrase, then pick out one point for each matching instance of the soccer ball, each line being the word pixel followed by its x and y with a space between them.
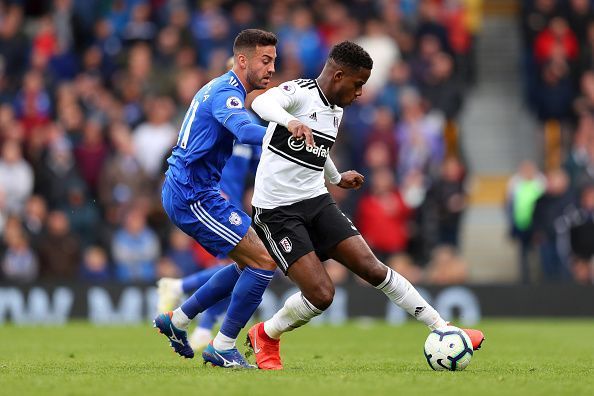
pixel 448 348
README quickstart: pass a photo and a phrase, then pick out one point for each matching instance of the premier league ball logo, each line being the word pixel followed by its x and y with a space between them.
pixel 288 89
pixel 234 103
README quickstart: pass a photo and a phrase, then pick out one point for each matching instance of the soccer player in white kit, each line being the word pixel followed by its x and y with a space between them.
pixel 296 217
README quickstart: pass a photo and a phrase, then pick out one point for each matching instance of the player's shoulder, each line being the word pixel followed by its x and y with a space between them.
pixel 228 88
pixel 227 83
pixel 299 87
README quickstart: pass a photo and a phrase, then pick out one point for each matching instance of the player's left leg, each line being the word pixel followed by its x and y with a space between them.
pixel 202 334
pixel 355 254
pixel 171 290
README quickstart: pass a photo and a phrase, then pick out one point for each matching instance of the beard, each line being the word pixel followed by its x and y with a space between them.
pixel 256 82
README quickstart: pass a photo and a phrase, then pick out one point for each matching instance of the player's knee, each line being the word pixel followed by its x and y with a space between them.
pixel 265 262
pixel 321 297
pixel 374 271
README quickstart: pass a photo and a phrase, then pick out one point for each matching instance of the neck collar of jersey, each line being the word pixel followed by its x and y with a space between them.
pixel 322 96
pixel 240 83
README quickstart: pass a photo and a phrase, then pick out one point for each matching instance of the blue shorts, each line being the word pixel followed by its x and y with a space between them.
pixel 212 221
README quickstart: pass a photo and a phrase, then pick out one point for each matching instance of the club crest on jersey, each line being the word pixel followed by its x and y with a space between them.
pixel 234 103
pixel 286 244
pixel 235 219
pixel 288 89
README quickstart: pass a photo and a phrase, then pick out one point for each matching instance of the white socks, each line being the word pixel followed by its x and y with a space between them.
pixel 296 312
pixel 403 294
pixel 222 343
pixel 180 319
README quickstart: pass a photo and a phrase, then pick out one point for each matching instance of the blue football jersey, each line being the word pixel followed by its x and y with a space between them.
pixel 242 162
pixel 207 135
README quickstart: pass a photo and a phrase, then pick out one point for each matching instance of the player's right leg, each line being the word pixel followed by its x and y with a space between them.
pixel 317 292
pixel 283 232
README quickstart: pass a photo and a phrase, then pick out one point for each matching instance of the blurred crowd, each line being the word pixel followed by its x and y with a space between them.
pixel 551 210
pixel 92 93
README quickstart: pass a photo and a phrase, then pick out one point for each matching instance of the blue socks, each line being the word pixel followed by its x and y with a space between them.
pixel 219 286
pixel 210 316
pixel 193 282
pixel 246 297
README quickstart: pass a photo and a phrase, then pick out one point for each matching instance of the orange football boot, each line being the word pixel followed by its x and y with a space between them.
pixel 476 337
pixel 265 349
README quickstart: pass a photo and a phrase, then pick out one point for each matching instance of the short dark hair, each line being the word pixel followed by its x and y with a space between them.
pixel 252 38
pixel 352 55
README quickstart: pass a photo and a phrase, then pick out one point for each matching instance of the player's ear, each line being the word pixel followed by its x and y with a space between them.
pixel 338 75
pixel 242 61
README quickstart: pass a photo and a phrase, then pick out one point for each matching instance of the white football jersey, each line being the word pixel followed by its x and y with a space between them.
pixel 289 171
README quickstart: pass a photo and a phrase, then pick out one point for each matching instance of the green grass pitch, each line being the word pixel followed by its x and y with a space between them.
pixel 542 357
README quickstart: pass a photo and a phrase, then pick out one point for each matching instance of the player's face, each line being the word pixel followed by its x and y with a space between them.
pixel 260 66
pixel 349 85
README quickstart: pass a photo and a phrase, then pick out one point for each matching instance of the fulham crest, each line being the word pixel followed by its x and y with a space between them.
pixel 286 244
pixel 235 219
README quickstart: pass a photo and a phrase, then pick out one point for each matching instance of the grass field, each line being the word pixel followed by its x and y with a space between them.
pixel 519 358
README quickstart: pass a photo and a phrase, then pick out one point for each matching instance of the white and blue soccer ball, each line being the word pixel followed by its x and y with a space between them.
pixel 448 348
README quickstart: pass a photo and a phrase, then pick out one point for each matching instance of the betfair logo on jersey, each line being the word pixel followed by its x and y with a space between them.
pixel 234 103
pixel 298 145
pixel 295 144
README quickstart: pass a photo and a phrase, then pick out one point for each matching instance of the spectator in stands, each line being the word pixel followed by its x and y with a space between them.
pixel 154 138
pixel 135 249
pixel 300 40
pixel 95 265
pixel 83 215
pixel 389 96
pixel 16 177
pixel 419 136
pixel 383 133
pixel 555 90
pixel 59 249
pixel 449 197
pixel 382 216
pixel 579 15
pixel 582 238
pixel 122 178
pixel 384 52
pixel 523 190
pixel 57 171
pixel 549 207
pixel 586 61
pixel 556 39
pixel 440 88
pixel 19 263
pixel 180 252
pixel 90 154
pixel 577 162
pixel 34 218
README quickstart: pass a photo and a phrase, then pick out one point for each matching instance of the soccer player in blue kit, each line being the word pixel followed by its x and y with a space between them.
pixel 193 201
pixel 242 163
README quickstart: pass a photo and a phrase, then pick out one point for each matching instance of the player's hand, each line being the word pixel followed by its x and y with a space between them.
pixel 351 179
pixel 301 131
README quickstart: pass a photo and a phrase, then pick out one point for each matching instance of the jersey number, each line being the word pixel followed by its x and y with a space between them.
pixel 184 133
